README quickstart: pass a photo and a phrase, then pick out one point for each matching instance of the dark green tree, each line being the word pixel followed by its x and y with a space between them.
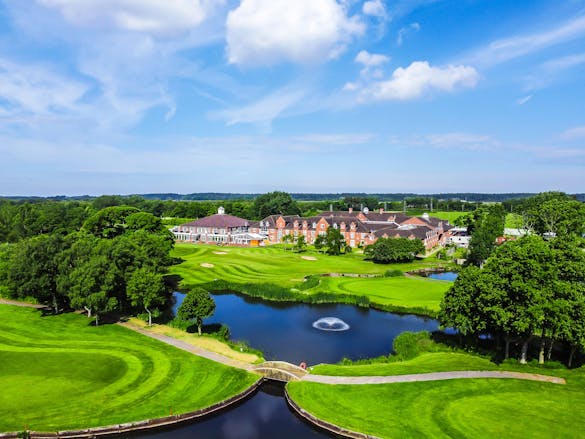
pixel 334 241
pixel 485 226
pixel 275 203
pixel 389 250
pixel 300 244
pixel 147 288
pixel 197 305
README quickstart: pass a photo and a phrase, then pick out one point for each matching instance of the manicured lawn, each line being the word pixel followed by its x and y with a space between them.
pixel 425 363
pixel 399 291
pixel 466 408
pixel 273 265
pixel 58 372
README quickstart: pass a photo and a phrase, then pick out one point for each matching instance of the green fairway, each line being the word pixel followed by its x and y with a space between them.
pixel 58 372
pixel 273 265
pixel 464 408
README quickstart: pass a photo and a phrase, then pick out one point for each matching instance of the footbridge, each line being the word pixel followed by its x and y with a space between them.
pixel 280 371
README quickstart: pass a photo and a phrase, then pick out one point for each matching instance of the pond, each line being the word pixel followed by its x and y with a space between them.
pixel 298 332
pixel 265 415
pixel 445 275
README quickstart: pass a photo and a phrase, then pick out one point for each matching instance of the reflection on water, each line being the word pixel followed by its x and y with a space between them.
pixel 284 331
pixel 265 415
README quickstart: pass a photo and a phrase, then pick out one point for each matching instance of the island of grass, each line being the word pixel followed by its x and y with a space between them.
pixel 463 408
pixel 60 372
pixel 275 273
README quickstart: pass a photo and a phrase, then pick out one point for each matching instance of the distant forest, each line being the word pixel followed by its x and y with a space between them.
pixel 221 196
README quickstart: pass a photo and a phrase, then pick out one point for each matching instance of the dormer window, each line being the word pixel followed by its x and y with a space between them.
pixel 314 225
pixel 334 225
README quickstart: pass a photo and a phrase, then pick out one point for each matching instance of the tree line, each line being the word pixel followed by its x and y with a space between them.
pixel 116 261
pixel 528 289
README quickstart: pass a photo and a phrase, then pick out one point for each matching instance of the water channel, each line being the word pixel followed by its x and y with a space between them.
pixel 285 331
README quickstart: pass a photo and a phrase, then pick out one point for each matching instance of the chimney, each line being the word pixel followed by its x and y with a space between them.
pixel 381 210
pixel 350 209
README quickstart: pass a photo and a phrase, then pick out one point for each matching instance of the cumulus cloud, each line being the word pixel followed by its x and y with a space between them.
pixel 371 59
pixel 155 16
pixel 375 8
pixel 265 32
pixel 419 78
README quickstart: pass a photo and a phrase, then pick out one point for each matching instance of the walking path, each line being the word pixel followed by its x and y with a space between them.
pixel 23 304
pixel 190 348
pixel 435 376
pixel 326 379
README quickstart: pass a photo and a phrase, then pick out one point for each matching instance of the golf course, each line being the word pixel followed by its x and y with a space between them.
pixel 76 375
pixel 278 266
pixel 462 408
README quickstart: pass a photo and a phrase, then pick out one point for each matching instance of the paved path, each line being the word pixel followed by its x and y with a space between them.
pixel 435 376
pixel 325 379
pixel 190 348
pixel 24 304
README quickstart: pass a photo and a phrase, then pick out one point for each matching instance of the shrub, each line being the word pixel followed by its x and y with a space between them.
pixel 393 273
pixel 411 344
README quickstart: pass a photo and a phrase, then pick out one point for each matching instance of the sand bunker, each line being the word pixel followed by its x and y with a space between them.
pixel 220 253
pixel 308 258
pixel 206 265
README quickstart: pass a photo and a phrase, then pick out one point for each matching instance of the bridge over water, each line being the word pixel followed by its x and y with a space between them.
pixel 280 371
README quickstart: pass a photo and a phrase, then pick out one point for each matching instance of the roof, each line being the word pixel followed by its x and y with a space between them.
pixel 219 221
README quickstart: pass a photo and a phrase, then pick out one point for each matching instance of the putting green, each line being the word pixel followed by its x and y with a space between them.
pixel 59 372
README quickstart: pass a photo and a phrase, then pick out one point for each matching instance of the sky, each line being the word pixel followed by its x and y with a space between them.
pixel 380 96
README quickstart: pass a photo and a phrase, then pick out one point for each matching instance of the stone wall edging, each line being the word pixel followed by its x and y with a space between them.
pixel 336 429
pixel 147 424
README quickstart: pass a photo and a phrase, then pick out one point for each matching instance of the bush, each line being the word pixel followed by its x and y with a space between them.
pixel 411 344
pixel 223 333
pixel 393 273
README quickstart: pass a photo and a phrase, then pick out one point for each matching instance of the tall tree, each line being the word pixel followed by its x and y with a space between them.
pixel 147 289
pixel 275 203
pixel 197 305
pixel 485 226
pixel 334 241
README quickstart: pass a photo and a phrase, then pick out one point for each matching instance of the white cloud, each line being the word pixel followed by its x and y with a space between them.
pixel 403 31
pixel 514 47
pixel 169 16
pixel 371 59
pixel 453 140
pixel 37 89
pixel 265 32
pixel 264 110
pixel 574 133
pixel 374 8
pixel 419 78
pixel 564 63
pixel 523 100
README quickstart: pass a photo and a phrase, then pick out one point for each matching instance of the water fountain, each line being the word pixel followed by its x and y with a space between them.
pixel 330 324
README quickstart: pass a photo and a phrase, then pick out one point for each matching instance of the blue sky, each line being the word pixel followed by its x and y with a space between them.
pixel 140 96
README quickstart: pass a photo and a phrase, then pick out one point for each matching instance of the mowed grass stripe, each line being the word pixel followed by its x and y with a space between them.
pixel 273 265
pixel 471 408
pixel 60 373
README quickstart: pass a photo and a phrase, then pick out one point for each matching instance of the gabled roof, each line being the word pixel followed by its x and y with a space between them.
pixel 219 221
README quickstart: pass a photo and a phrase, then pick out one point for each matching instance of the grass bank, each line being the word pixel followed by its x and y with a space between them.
pixel 470 408
pixel 59 372
pixel 275 274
